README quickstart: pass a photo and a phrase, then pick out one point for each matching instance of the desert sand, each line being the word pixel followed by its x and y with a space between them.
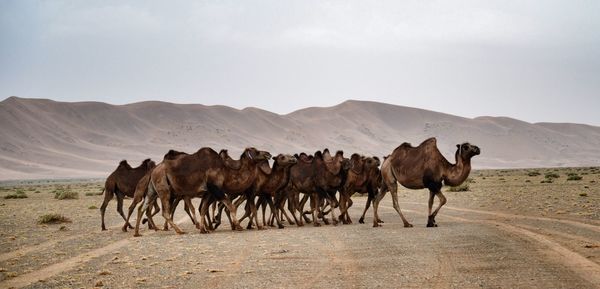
pixel 509 230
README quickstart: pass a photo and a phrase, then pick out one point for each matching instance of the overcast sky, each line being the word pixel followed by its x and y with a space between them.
pixel 531 60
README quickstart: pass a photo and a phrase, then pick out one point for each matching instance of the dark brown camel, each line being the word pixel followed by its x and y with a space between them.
pixel 239 181
pixel 122 182
pixel 320 179
pixel 423 167
pixel 195 175
pixel 362 178
pixel 267 185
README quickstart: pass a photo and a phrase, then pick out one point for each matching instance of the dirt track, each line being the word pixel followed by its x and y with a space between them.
pixel 472 248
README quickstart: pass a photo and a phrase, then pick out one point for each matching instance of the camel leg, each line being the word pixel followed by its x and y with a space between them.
pixel 134 202
pixel 150 214
pixel 250 201
pixel 314 209
pixel 108 195
pixel 274 212
pixel 234 222
pixel 367 205
pixel 431 219
pixel 430 206
pixel 343 208
pixel 349 204
pixel 280 207
pixel 394 193
pixel 191 211
pixel 120 198
pixel 217 217
pixel 150 199
pixel 203 212
pixel 376 201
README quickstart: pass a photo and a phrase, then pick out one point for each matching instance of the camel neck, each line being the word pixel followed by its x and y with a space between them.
pixel 458 173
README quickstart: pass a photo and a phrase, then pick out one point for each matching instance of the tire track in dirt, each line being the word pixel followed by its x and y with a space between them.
pixel 57 268
pixel 581 266
pixel 41 246
pixel 595 228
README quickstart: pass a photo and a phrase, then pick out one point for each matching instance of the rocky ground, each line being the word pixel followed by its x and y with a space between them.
pixel 507 230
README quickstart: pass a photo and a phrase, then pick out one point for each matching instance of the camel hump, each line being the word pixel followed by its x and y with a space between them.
pixel 318 155
pixel 123 163
pixel 429 141
pixel 172 154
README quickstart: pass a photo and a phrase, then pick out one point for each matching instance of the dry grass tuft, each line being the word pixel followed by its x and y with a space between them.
pixel 53 219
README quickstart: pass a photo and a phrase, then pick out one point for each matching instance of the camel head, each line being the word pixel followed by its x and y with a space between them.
pixel 285 160
pixel 372 162
pixel 255 155
pixel 467 151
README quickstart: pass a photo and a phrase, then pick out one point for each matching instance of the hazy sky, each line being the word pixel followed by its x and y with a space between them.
pixel 532 60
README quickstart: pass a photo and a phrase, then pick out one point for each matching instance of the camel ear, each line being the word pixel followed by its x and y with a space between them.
pixel 264 167
pixel 458 146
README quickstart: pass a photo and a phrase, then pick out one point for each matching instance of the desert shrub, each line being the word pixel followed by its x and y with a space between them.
pixel 464 187
pixel 533 174
pixel 53 219
pixel 547 181
pixel 18 194
pixel 65 195
pixel 552 176
pixel 90 194
pixel 36 192
pixel 528 181
pixel 574 177
pixel 92 207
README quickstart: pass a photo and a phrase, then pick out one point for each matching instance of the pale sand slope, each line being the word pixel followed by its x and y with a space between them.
pixel 46 139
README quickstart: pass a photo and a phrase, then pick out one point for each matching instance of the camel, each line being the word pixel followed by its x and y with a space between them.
pixel 319 177
pixel 202 174
pixel 362 178
pixel 267 185
pixel 122 182
pixel 423 167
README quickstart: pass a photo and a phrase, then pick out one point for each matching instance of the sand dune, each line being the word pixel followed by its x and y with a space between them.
pixel 42 138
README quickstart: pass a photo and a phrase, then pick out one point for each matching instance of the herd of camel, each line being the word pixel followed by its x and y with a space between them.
pixel 223 184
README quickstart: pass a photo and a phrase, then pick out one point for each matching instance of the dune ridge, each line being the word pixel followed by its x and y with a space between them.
pixel 41 138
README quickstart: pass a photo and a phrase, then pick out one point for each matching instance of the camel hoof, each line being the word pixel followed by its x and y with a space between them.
pixel 124 229
pixel 137 235
pixel 181 233
pixel 260 228
pixel 203 231
pixel 380 221
pixel 280 226
pixel 430 225
pixel 130 226
pixel 300 224
pixel 375 225
pixel 103 229
pixel 239 228
pixel 408 225
pixel 317 224
pixel 361 220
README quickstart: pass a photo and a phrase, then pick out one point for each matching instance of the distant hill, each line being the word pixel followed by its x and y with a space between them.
pixel 41 138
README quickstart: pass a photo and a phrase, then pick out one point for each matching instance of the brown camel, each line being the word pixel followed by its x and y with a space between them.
pixel 238 182
pixel 199 174
pixel 267 185
pixel 423 167
pixel 362 178
pixel 320 178
pixel 122 182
